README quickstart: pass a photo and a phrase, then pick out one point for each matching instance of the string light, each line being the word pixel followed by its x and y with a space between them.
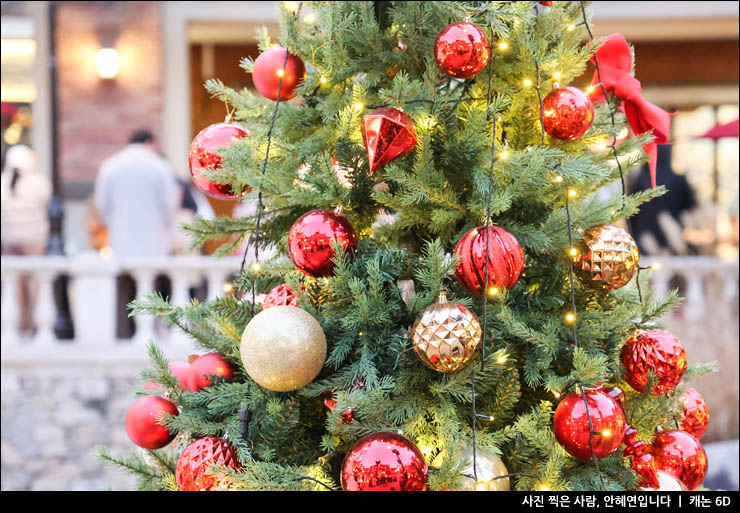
pixel 573 251
pixel 570 318
pixel 527 82
pixel 572 193
pixel 556 394
pixel 280 72
pixel 310 18
pixel 544 488
pixel 480 486
pixel 256 267
pixel 606 433
pixel 492 291
pixel 556 75
pixel 571 28
pixel 227 287
pixel 558 179
pixel 602 146
pixel 358 106
pixel 501 359
pixel 291 6
pixel 503 155
pixel 655 266
pixel 590 89
pixel 323 80
pixel 503 45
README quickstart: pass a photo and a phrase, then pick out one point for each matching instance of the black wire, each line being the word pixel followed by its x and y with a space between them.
pixel 591 437
pixel 307 478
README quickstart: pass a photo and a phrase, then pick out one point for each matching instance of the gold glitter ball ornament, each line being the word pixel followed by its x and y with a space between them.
pixel 606 258
pixel 447 336
pixel 489 471
pixel 283 348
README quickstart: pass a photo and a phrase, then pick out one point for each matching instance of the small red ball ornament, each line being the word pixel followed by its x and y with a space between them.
pixel 568 113
pixel 181 370
pixel 505 259
pixel 695 414
pixel 572 428
pixel 388 134
pixel 193 472
pixel 384 462
pixel 282 295
pixel 142 421
pixel 462 50
pixel 211 364
pixel 268 73
pixel 204 157
pixel 658 351
pixel 330 401
pixel 311 238
pixel 681 455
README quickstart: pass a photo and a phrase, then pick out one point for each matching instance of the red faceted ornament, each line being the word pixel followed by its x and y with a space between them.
pixel 388 134
pixel 658 351
pixel 211 364
pixel 505 259
pixel 311 237
pixel 681 455
pixel 695 414
pixel 193 472
pixel 142 421
pixel 384 462
pixel 204 157
pixel 568 113
pixel 462 50
pixel 181 370
pixel 268 74
pixel 282 295
pixel 572 428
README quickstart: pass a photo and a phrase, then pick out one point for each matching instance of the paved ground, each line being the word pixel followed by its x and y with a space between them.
pixel 723 465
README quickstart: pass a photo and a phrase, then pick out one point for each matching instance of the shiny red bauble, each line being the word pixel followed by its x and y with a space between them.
pixel 384 462
pixel 330 401
pixel 311 237
pixel 568 113
pixel 268 74
pixel 572 428
pixel 142 421
pixel 505 259
pixel 211 364
pixel 695 413
pixel 658 351
pixel 681 455
pixel 462 50
pixel 181 370
pixel 193 472
pixel 282 295
pixel 204 157
pixel 666 483
pixel 388 134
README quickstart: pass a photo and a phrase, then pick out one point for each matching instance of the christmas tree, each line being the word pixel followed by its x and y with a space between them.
pixel 448 303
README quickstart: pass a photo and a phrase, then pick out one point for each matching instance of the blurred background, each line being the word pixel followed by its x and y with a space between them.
pixel 79 78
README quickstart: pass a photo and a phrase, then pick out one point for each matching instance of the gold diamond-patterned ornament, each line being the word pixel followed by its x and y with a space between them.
pixel 447 336
pixel 606 258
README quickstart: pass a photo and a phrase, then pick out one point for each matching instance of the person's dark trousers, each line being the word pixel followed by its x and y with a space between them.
pixel 126 292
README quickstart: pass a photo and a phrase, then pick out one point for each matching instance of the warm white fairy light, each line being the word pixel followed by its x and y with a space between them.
pixel 590 89
pixel 323 80
pixel 227 287
pixel 527 82
pixel 558 179
pixel 256 267
pixel 280 73
pixel 310 18
pixel 557 75
pixel 571 28
pixel 572 193
pixel 503 45
pixel 570 318
pixel 291 6
pixel 358 106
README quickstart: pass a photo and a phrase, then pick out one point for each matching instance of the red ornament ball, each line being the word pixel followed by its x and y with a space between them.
pixel 268 74
pixel 505 259
pixel 142 421
pixel 282 295
pixel 204 157
pixel 658 351
pixel 211 364
pixel 388 134
pixel 681 455
pixel 384 462
pixel 572 429
pixel 311 237
pixel 695 414
pixel 181 370
pixel 462 50
pixel 330 401
pixel 568 113
pixel 666 483
pixel 193 466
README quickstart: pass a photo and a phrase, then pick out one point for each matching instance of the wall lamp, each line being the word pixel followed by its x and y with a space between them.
pixel 107 63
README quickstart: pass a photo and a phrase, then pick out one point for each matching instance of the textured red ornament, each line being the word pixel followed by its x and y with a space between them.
pixel 384 462
pixel 681 455
pixel 695 414
pixel 462 50
pixel 311 237
pixel 181 370
pixel 211 364
pixel 193 466
pixel 568 113
pixel 204 157
pixel 282 295
pixel 268 73
pixel 388 134
pixel 505 259
pixel 330 401
pixel 653 350
pixel 572 430
pixel 142 421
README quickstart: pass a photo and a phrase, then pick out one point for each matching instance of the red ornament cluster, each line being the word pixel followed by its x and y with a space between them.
pixel 567 113
pixel 193 470
pixel 311 238
pixel 282 295
pixel 658 351
pixel 695 413
pixel 505 259
pixel 204 157
pixel 271 80
pixel 388 134
pixel 142 421
pixel 681 455
pixel 462 50
pixel 211 364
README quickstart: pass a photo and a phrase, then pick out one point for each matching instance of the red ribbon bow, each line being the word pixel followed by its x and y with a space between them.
pixel 615 63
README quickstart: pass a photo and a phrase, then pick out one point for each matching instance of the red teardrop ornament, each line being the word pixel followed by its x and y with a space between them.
pixel 388 134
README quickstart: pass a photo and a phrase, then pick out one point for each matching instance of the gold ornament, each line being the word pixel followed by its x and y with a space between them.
pixel 488 470
pixel 606 258
pixel 447 336
pixel 283 348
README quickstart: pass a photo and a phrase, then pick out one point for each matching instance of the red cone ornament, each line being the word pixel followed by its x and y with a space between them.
pixel 311 237
pixel 193 472
pixel 384 462
pixel 142 421
pixel 211 364
pixel 388 134
pixel 268 73
pixel 695 414
pixel 681 455
pixel 204 157
pixel 568 113
pixel 505 259
pixel 282 295
pixel 653 350
pixel 462 50
pixel 572 429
